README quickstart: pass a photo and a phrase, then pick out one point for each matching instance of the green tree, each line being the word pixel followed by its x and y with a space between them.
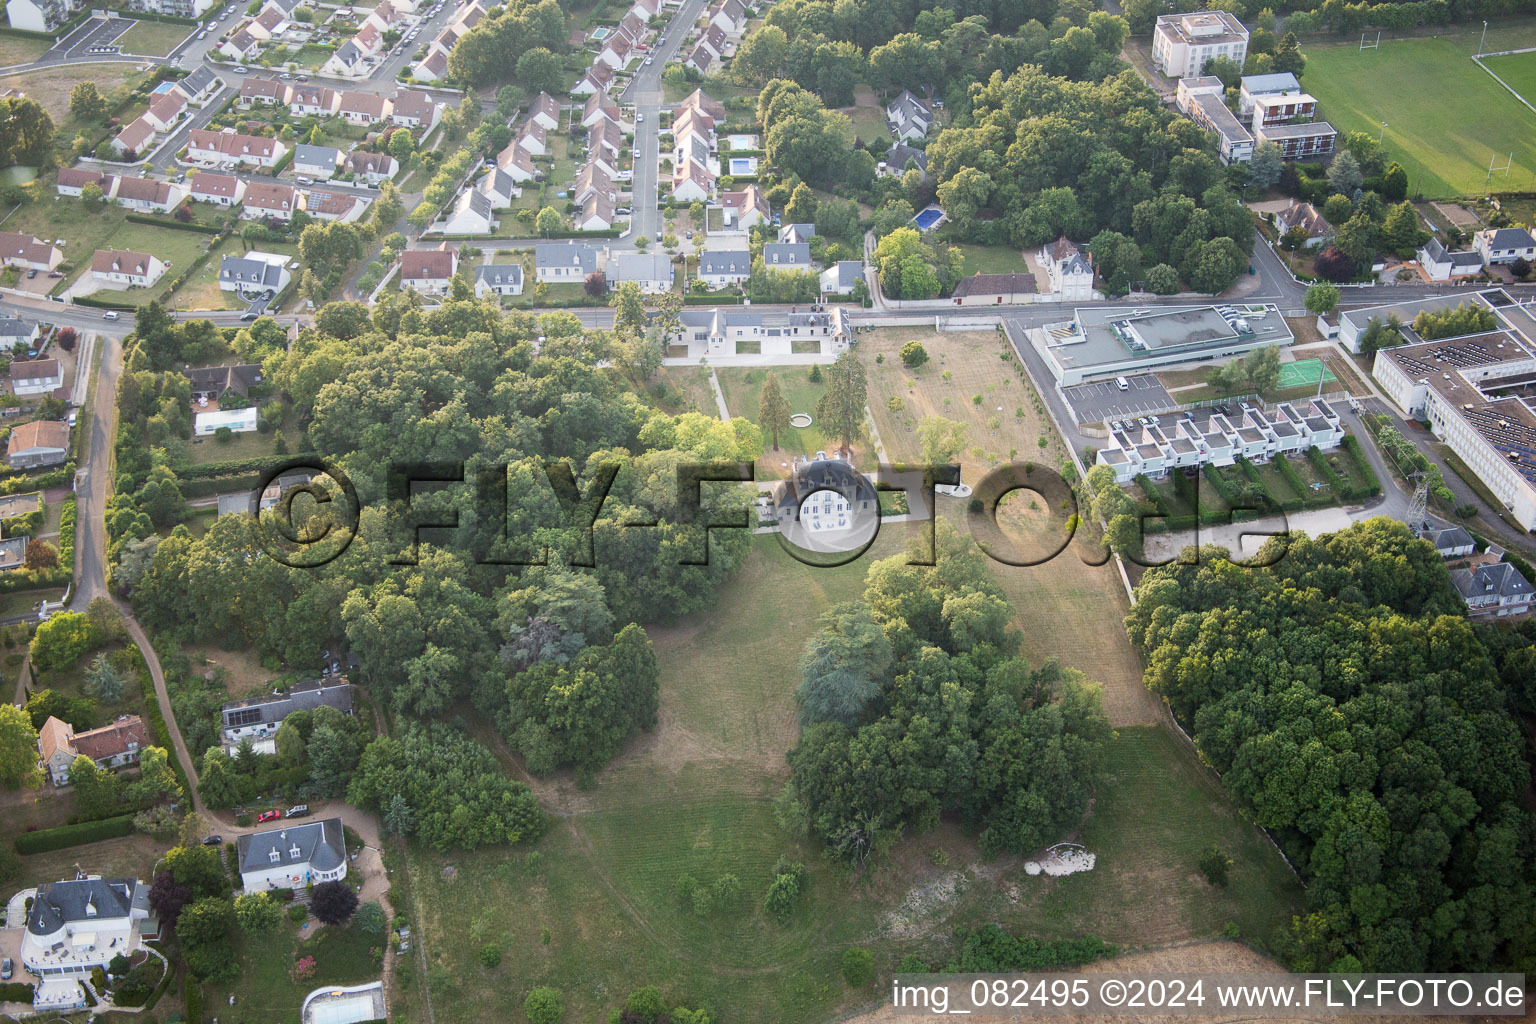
pixel 60 640
pixel 1214 865
pixel 87 103
pixel 782 894
pixel 539 70
pixel 544 1006
pixel 1162 279
pixel 402 144
pixel 204 930
pixel 1344 173
pixel 940 439
pixel 104 682
pixel 843 666
pixel 773 410
pixel 549 221
pixel 257 912
pixel 96 790
pixel 628 307
pixel 1266 165
pixel 858 966
pixel 1322 298
pixel 801 208
pixel 841 406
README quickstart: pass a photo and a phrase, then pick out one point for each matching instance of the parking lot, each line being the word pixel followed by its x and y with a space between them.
pixel 1103 401
pixel 102 38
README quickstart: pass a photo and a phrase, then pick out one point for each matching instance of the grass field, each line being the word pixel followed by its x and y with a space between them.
pixel 594 912
pixel 1518 71
pixel 153 38
pixel 866 118
pixel 51 87
pixel 85 231
pixel 1301 372
pixel 744 387
pixel 263 992
pixel 16 48
pixel 1446 117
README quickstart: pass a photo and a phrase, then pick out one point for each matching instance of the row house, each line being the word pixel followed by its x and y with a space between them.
pixel 219 189
pixel 1157 449
pixel 146 195
pixel 228 145
pixel 515 162
pixel 121 267
pixel 598 108
pixel 429 271
pixel 270 202
pixel 363 108
pixel 545 112
pixel 27 252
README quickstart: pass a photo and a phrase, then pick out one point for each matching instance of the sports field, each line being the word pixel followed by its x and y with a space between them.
pixel 1446 117
pixel 1518 71
pixel 1303 372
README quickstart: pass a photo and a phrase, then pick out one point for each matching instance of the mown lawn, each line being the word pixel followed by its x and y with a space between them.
pixel 84 231
pixel 1445 145
pixel 263 990
pixel 18 48
pixel 153 38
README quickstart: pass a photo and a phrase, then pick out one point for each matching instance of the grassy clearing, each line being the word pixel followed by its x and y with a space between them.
pixel 21 49
pixel 125 857
pixel 743 388
pixel 866 118
pixel 1445 146
pixel 686 390
pixel 263 990
pixel 85 231
pixel 51 87
pixel 202 291
pixel 153 38
pixel 245 445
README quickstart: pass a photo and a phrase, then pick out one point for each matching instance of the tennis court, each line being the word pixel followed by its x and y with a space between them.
pixel 1303 373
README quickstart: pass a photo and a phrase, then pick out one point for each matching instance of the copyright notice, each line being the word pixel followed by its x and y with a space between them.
pixel 1195 995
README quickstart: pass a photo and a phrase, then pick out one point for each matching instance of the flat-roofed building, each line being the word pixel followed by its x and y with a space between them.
pixel 1182 43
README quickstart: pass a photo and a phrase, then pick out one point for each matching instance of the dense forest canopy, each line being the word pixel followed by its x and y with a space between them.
pixel 1349 705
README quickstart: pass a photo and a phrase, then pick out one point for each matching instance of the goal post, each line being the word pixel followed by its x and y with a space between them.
pixel 1376 45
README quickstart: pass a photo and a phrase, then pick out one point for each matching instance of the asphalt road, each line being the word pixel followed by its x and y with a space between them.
pixel 645 93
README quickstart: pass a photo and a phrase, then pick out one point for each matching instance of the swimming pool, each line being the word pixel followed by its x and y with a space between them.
pixel 742 141
pixel 600 33
pixel 927 218
pixel 743 165
pixel 345 1010
pixel 163 87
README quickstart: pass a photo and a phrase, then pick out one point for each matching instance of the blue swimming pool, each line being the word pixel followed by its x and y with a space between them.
pixel 743 165
pixel 927 218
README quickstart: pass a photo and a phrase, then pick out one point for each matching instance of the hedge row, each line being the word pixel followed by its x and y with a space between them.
pixel 98 303
pixel 713 300
pixel 209 486
pixel 157 720
pixel 65 836
pixel 192 999
pixel 67 536
pixel 173 224
pixel 254 464
pixel 15 992
pixel 1351 445
pixel 52 478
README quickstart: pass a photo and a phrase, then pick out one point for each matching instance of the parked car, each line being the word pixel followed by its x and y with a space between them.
pixel 7 968
pixel 271 815
pixel 304 181
pixel 31 273
pixel 202 35
pixel 212 840
pixel 297 811
pixel 239 70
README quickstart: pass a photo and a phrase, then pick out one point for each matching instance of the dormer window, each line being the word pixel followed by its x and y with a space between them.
pixel 293 851
pixel 273 856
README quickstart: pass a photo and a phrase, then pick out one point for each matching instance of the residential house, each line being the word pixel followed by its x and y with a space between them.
pixel 39 15
pixel 1441 264
pixel 200 86
pixel 111 746
pixel 27 252
pixel 254 273
pixel 596 81
pixel 36 377
pixel 546 111
pixel 787 256
pixel 76 926
pixel 645 10
pixel 242 44
pixel 369 39
pixel 566 262
pixel 319 100
pixel 532 139
pixel 471 215
pixel 429 271
pixel 1494 590
pixel 700 103
pixel 362 107
pixel 908 116
pixel 617 51
pixel 16 333
pixel 598 107
pixel 413 108
pixel 1306 217
pixel 130 142
pixel 257 719
pixel 1069 269
pixel 596 214
pixel 604 143
pixel 374 167
pixel 633 28
pixel 38 443
pixel 901 156
pixel 843 276
pixel 221 189
pixel 334 206
pixel 723 268
pixel 516 163
pixel 165 110
pixel 1451 541
pixel 652 271
pixel 230 146
pixel 386 16
pixel 498 279
pixel 271 202
pixel 283 7
pixel 700 59
pixel 730 16
pixel 797 233
pixel 317 161
pixel 994 289
pixel 498 188
pixel 262 90
pixel 210 383
pixel 692 182
pixel 590 181
pixel 121 267
pixel 1182 43
pixel 347 61
pixel 746 208
pixel 714 40
pixel 266 24
pixel 1505 245
pixel 72 180
pixel 292 856
pixel 432 67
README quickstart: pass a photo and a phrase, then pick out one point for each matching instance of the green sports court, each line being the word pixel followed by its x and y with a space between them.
pixel 1303 373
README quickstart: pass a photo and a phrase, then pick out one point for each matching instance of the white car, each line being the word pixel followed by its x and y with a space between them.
pixel 111 315
pixel 202 35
